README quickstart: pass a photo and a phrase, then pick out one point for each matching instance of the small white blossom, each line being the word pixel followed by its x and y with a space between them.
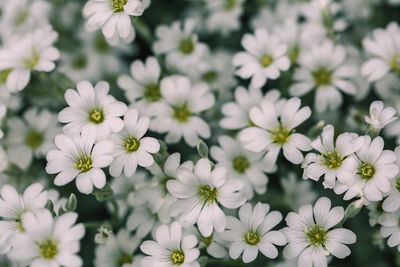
pixel 131 148
pixel 80 156
pixel 252 232
pixel 113 17
pixel 334 159
pixel 264 59
pixel 92 107
pixel 178 116
pixel 48 241
pixel 274 130
pixel 311 237
pixel 379 116
pixel 200 194
pixel 171 248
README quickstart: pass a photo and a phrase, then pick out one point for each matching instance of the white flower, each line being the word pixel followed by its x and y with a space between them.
pixel 13 206
pixel 274 129
pixel 31 52
pixel 392 202
pixel 180 45
pixel 334 159
pixel 156 194
pixel 23 16
pixel 252 232
pixel 79 156
pixel 143 88
pixel 31 137
pixel 390 228
pixel 379 116
pixel 310 235
pixel 171 248
pixel 118 251
pixel 241 164
pixel 264 59
pixel 48 241
pixel 372 170
pixel 216 70
pixel 324 69
pixel 130 147
pixel 384 49
pixel 129 191
pixel 224 15
pixel 297 192
pixel 113 17
pixel 236 114
pixel 215 245
pixel 179 114
pixel 142 220
pixel 200 194
pixel 92 107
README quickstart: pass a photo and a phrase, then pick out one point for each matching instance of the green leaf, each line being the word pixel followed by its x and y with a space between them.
pixel 71 203
pixel 104 193
pixel 202 149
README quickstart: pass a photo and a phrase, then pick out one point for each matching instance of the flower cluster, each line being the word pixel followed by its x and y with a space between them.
pixel 199 133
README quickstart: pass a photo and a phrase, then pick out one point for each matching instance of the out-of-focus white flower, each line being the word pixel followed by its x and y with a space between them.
pixel 31 52
pixel 92 107
pixel 22 16
pixel 297 192
pixel 310 235
pixel 241 164
pixel 113 17
pixel 392 202
pixel 390 228
pixel 236 114
pixel 13 206
pixel 372 169
pixel 171 248
pixel 48 241
pixel 379 116
pixel 156 194
pixel 252 232
pixel 324 69
pixel 142 88
pixel 384 51
pixel 30 137
pixel 80 156
pixel 264 59
pixel 274 130
pixel 178 115
pixel 180 44
pixel 131 148
pixel 334 160
pixel 200 194
pixel 119 251
pixel 224 15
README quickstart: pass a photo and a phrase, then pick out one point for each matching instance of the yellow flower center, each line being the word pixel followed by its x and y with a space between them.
pixel 124 259
pixel 152 92
pixel 322 76
pixel 118 5
pixel 266 60
pixel 182 113
pixel 4 75
pixel 241 164
pixel 30 63
pixel 252 237
pixel 96 115
pixel 207 194
pixel 230 4
pixel 332 160
pixel 186 46
pixel 178 257
pixel 366 171
pixel 317 235
pixel 33 139
pixel 131 144
pixel 84 163
pixel 48 249
pixel 280 135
